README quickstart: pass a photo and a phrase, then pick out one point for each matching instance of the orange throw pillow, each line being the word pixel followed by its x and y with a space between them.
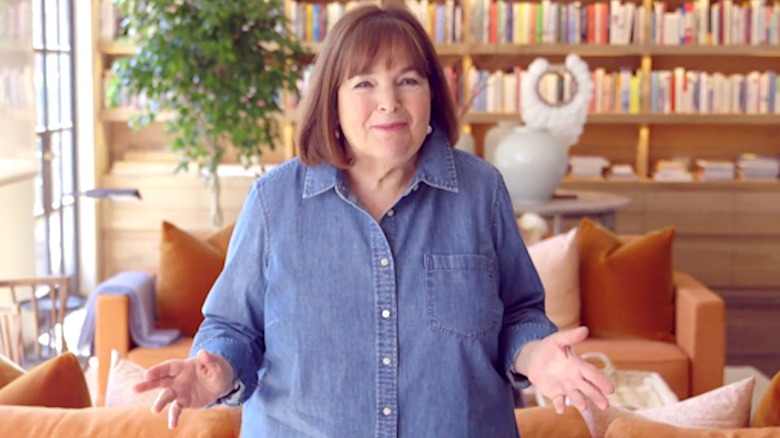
pixel 188 268
pixel 768 410
pixel 57 383
pixel 626 288
pixel 9 371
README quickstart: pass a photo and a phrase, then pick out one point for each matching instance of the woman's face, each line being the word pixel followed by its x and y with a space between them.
pixel 384 113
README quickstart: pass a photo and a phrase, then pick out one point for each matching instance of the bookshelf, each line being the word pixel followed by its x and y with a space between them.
pixel 727 232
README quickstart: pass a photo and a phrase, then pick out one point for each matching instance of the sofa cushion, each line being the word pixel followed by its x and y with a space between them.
pixel 642 428
pixel 626 287
pixel 557 262
pixel 122 376
pixel 724 407
pixel 767 412
pixel 9 371
pixel 188 269
pixel 664 358
pixel 58 382
pixel 221 238
pixel 136 421
pixel 544 422
pixel 149 357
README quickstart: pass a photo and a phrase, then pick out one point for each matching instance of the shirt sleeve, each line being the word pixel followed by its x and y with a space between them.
pixel 519 287
pixel 234 309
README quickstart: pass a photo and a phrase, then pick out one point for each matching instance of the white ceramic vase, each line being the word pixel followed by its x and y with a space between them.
pixel 466 142
pixel 532 164
pixel 494 136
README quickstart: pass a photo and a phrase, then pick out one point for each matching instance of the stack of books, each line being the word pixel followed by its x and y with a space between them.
pixel 672 171
pixel 758 168
pixel 588 167
pixel 622 172
pixel 715 170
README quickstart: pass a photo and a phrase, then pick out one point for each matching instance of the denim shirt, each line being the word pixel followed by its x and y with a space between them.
pixel 341 326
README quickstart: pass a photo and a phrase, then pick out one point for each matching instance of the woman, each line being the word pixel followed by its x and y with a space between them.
pixel 378 285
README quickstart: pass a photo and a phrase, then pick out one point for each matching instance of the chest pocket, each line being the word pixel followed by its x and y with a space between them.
pixel 461 295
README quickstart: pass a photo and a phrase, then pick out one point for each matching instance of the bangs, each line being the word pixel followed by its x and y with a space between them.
pixel 382 38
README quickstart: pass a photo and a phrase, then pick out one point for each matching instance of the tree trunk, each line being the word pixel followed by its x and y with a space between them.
pixel 216 206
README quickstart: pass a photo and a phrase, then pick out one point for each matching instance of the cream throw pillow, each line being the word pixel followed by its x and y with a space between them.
pixel 122 375
pixel 557 262
pixel 727 407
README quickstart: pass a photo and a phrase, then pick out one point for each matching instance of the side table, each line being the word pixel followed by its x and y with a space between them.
pixel 576 203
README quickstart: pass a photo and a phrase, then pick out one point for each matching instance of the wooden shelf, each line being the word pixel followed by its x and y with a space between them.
pixel 127 114
pixel 117 48
pixel 647 119
pixel 647 184
pixel 605 50
pixel 588 50
pixel 732 51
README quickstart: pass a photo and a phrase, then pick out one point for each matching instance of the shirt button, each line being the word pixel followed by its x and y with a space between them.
pixel 385 314
pixel 387 411
pixel 390 213
pixel 386 360
pixel 384 261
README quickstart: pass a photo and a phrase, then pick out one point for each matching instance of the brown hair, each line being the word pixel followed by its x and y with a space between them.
pixel 351 47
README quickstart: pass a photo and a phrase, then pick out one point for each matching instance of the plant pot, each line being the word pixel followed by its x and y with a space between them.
pixel 532 164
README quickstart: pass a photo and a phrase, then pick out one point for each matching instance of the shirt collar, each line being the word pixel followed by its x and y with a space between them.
pixel 435 167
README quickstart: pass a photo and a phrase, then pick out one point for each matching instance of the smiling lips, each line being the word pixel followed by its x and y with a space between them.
pixel 389 127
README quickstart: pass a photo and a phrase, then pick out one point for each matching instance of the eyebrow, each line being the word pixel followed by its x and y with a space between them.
pixel 402 71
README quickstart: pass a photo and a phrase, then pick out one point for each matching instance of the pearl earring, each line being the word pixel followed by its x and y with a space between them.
pixel 338 133
pixel 429 130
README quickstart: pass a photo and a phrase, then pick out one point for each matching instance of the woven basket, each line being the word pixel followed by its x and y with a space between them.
pixel 633 389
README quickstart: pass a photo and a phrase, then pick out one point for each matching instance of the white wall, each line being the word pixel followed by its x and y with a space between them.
pixel 17 230
pixel 85 49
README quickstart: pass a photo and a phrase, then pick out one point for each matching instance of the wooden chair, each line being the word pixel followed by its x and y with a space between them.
pixel 44 297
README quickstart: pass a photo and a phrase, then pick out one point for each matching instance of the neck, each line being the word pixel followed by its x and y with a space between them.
pixel 378 187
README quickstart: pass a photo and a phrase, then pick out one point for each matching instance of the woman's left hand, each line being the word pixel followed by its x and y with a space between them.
pixel 556 371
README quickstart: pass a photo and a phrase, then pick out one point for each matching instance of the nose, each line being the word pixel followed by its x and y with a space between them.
pixel 387 100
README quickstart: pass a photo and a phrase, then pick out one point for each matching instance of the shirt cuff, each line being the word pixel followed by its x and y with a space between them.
pixel 516 337
pixel 245 376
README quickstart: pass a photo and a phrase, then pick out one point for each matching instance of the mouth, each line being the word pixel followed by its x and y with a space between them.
pixel 390 127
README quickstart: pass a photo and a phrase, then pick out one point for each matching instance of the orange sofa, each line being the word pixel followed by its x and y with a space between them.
pixel 692 365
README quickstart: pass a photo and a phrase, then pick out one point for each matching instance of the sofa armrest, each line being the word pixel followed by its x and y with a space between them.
pixel 112 331
pixel 700 330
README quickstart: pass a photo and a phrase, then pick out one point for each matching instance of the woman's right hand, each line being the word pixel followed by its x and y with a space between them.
pixel 192 383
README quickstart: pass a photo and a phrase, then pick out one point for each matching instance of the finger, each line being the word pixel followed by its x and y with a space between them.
pixel 571 337
pixel 559 403
pixel 165 369
pixel 165 396
pixel 146 385
pixel 174 411
pixel 594 395
pixel 578 400
pixel 595 376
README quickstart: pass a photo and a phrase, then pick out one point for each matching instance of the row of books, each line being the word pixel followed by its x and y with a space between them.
pixel 443 21
pixel 676 91
pixel 16 22
pixel 523 22
pixel 698 92
pixel 16 90
pixel 753 22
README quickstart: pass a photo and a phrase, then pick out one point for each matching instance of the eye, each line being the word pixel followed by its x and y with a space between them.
pixel 410 81
pixel 363 84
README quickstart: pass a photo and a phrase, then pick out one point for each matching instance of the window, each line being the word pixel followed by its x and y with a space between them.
pixel 55 198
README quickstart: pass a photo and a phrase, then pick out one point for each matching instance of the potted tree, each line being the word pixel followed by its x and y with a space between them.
pixel 218 68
